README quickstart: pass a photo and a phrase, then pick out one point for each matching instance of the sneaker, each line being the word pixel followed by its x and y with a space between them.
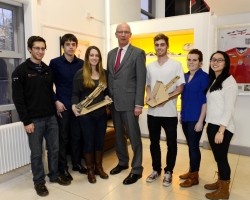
pixel 167 179
pixel 41 189
pixel 152 177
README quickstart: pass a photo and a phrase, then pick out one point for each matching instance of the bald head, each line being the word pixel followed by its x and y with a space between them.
pixel 123 25
pixel 123 33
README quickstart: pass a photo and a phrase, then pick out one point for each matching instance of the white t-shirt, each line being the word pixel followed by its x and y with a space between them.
pixel 165 73
pixel 221 103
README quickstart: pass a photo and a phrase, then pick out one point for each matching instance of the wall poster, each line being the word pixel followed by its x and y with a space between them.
pixel 235 41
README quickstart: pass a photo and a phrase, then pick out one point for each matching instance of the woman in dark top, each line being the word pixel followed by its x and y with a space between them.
pixel 193 113
pixel 93 124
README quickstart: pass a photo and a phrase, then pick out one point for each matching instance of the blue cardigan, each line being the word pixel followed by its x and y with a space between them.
pixel 193 96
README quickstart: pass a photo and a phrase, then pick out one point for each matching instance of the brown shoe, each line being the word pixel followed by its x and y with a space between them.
pixel 193 179
pixel 89 159
pixel 185 176
pixel 98 165
pixel 213 186
pixel 222 192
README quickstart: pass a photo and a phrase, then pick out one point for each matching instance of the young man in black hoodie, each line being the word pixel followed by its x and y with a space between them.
pixel 32 90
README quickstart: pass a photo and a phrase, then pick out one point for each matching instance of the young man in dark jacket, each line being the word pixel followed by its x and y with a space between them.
pixel 64 69
pixel 32 90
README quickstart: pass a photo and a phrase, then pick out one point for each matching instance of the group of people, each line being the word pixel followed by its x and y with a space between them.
pixel 205 97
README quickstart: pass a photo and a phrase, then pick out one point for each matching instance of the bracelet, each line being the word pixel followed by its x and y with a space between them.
pixel 220 133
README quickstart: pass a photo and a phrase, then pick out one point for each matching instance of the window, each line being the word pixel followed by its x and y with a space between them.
pixel 11 55
pixel 147 8
pixel 6 30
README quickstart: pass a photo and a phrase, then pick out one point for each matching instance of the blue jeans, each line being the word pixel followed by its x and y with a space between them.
pixel 193 141
pixel 69 133
pixel 45 127
pixel 169 124
pixel 93 131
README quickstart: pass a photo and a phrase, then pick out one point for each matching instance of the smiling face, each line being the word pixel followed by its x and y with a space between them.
pixel 123 33
pixel 37 51
pixel 161 48
pixel 193 62
pixel 94 57
pixel 217 63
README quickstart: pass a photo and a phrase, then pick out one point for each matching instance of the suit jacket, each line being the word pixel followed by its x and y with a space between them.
pixel 127 85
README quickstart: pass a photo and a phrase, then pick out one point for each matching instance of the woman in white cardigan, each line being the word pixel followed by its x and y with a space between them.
pixel 221 96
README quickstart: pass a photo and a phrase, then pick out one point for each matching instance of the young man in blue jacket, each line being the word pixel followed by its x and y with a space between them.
pixel 64 69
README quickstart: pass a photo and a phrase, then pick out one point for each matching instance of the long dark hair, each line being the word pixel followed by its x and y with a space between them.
pixel 223 76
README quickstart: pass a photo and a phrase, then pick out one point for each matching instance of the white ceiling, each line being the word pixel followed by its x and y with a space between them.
pixel 228 7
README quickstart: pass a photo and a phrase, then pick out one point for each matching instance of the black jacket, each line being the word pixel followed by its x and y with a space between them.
pixel 32 92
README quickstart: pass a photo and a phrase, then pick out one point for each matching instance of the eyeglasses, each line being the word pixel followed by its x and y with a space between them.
pixel 39 48
pixel 219 60
pixel 123 32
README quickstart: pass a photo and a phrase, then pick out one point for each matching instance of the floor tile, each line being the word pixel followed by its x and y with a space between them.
pixel 18 184
pixel 135 192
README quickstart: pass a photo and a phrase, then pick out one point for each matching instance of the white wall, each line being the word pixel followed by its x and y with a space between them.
pixel 53 18
pixel 124 11
pixel 159 8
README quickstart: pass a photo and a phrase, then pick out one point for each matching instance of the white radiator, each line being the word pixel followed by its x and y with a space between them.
pixel 14 147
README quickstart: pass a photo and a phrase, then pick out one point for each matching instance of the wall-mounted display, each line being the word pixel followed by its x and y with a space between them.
pixel 180 43
pixel 235 41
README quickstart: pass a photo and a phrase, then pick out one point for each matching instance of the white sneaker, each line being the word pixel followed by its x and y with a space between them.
pixel 152 177
pixel 167 181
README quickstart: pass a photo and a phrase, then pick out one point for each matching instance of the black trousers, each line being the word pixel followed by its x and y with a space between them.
pixel 220 151
pixel 69 133
pixel 169 124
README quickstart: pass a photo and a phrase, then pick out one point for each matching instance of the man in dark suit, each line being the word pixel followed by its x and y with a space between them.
pixel 126 81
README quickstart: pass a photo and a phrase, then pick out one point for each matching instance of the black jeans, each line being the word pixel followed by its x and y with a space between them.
pixel 93 132
pixel 169 124
pixel 193 140
pixel 69 132
pixel 220 151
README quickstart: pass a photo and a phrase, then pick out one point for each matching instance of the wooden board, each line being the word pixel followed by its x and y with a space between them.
pixel 91 108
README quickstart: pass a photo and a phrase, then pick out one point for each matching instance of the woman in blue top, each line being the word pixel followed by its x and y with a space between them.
pixel 193 113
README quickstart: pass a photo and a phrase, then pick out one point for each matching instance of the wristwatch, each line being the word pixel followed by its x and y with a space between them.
pixel 220 132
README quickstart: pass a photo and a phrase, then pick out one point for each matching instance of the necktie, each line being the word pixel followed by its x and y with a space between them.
pixel 118 60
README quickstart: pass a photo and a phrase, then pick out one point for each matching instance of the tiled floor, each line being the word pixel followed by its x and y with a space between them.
pixel 18 185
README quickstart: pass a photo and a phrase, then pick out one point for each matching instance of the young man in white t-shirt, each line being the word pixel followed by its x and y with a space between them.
pixel 164 115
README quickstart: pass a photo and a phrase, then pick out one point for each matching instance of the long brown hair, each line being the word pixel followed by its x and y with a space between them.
pixel 87 69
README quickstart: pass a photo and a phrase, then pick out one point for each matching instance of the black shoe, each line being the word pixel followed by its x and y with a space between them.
pixel 80 168
pixel 41 189
pixel 118 169
pixel 66 175
pixel 131 178
pixel 61 181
